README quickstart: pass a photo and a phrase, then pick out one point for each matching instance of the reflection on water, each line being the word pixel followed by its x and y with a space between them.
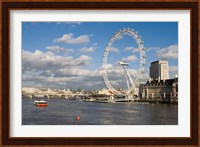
pixel 65 112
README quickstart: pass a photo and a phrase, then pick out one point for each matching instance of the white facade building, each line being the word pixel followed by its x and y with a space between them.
pixel 159 70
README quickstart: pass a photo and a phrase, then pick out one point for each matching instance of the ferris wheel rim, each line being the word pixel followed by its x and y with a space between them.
pixel 133 34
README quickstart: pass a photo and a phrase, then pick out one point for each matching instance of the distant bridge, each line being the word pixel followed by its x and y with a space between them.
pixel 51 95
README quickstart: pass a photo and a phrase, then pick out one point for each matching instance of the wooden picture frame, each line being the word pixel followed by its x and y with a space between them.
pixel 7 140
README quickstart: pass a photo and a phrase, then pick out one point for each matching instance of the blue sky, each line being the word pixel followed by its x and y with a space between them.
pixel 69 54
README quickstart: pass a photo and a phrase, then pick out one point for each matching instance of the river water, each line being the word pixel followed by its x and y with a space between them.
pixel 66 112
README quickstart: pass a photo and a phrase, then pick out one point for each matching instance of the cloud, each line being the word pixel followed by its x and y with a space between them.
pixel 114 49
pixel 75 72
pixel 135 50
pixel 128 48
pixel 170 52
pixel 69 39
pixel 49 61
pixel 58 49
pixel 46 69
pixel 131 48
pixel 119 37
pixel 173 70
pixel 82 60
pixel 153 49
pixel 87 49
pixel 55 48
pixel 72 78
pixel 45 73
pixel 90 49
pixel 129 58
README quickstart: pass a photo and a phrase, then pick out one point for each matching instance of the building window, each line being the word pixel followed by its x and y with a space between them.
pixel 176 87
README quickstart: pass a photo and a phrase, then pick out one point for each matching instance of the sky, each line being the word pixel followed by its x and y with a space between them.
pixel 70 54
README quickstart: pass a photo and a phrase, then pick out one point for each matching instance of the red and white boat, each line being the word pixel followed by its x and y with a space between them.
pixel 40 103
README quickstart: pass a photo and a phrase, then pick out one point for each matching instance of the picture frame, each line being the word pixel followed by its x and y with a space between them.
pixel 101 5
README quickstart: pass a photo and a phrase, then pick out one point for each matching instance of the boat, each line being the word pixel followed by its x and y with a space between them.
pixel 40 103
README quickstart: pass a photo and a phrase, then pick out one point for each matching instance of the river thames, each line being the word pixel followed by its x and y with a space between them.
pixel 77 112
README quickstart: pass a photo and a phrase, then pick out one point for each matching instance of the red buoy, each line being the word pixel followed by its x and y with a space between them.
pixel 78 118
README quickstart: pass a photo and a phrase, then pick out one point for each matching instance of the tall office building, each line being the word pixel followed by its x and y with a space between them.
pixel 159 70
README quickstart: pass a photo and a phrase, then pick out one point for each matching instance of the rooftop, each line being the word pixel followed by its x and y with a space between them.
pixel 159 61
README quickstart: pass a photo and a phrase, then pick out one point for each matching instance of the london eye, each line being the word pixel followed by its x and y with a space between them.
pixel 130 83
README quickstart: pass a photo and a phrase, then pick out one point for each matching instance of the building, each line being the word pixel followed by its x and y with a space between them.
pixel 104 92
pixel 159 70
pixel 159 86
pixel 159 89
